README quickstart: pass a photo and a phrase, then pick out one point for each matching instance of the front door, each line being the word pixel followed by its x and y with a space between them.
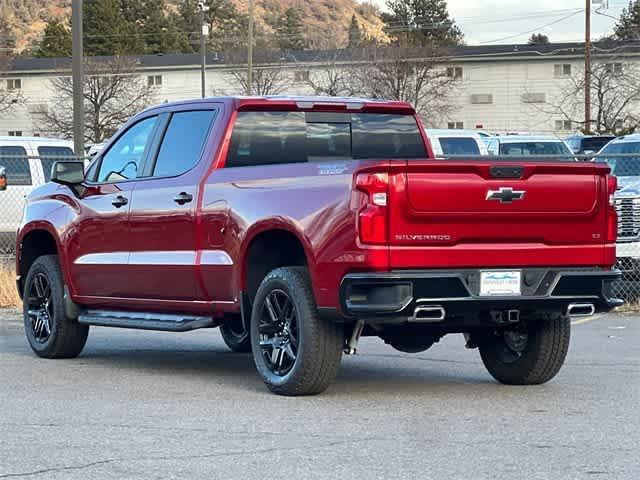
pixel 98 239
pixel 163 237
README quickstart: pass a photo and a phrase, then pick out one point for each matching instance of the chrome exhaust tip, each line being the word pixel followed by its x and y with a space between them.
pixel 428 313
pixel 581 309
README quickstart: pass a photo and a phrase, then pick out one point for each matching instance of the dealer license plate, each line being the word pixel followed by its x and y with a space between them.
pixel 494 284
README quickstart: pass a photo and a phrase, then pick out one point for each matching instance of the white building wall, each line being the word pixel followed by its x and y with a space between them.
pixel 505 80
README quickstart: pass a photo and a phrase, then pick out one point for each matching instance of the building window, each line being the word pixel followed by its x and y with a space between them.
pixel 534 97
pixel 563 125
pixel 455 125
pixel 301 75
pixel 454 72
pixel 14 84
pixel 15 133
pixel 481 98
pixel 562 70
pixel 614 68
pixel 618 124
pixel 154 80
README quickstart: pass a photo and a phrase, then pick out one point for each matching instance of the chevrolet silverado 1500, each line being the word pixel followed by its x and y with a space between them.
pixel 296 225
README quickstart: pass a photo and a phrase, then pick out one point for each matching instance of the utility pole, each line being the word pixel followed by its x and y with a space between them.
pixel 587 69
pixel 77 68
pixel 204 33
pixel 250 51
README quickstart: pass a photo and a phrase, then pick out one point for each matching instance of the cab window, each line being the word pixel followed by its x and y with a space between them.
pixel 124 159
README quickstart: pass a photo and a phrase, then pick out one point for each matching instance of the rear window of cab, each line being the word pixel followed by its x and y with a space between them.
pixel 262 138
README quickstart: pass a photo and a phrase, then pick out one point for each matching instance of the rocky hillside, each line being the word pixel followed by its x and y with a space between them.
pixel 326 21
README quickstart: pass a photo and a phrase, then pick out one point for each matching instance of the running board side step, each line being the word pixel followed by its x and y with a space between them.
pixel 144 321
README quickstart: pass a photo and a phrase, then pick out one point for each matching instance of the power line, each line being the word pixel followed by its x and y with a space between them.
pixel 534 30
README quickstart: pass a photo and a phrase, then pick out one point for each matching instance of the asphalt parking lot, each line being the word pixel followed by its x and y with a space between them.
pixel 160 405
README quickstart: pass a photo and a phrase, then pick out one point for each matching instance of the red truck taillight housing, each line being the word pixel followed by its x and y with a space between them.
pixel 373 216
pixel 612 214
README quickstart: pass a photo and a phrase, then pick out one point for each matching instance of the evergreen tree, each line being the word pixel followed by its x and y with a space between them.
pixel 56 40
pixel 106 29
pixel 289 31
pixel 538 39
pixel 422 22
pixel 628 26
pixel 354 34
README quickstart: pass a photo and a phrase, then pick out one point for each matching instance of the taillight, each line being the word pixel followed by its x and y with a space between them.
pixel 372 218
pixel 612 214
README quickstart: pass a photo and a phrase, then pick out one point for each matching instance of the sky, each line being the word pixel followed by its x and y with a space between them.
pixel 513 21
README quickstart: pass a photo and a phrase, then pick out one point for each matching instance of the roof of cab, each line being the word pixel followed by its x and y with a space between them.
pixel 49 141
pixel 278 102
pixel 633 137
pixel 527 138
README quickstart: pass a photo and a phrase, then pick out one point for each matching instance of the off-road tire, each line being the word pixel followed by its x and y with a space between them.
pixel 540 361
pixel 320 342
pixel 235 336
pixel 68 337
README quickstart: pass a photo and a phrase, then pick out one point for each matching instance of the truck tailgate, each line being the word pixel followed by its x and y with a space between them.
pixel 497 213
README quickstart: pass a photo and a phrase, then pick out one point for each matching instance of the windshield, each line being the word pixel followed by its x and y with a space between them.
pixel 534 148
pixel 622 166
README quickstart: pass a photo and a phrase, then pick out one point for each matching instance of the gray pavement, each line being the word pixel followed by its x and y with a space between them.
pixel 160 405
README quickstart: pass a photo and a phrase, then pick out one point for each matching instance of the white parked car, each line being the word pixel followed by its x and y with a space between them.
pixel 623 156
pixel 27 163
pixel 528 146
pixel 454 142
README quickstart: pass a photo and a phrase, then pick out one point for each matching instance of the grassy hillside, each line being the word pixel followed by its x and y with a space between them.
pixel 326 21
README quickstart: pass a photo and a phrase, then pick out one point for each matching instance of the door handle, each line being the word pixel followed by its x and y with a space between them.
pixel 119 201
pixel 182 198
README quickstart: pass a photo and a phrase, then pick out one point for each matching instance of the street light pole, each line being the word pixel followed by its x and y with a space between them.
pixel 587 69
pixel 77 68
pixel 250 51
pixel 204 32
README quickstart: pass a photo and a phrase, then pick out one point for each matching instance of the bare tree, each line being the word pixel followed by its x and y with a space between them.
pixel 112 94
pixel 269 75
pixel 415 75
pixel 334 78
pixel 615 88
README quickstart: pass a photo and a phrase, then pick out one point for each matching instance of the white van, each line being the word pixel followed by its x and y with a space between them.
pixel 454 142
pixel 27 162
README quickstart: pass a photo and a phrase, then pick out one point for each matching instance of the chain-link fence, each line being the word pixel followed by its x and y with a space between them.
pixel 24 172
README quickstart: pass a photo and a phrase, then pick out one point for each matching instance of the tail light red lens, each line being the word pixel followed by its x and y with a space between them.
pixel 612 214
pixel 373 216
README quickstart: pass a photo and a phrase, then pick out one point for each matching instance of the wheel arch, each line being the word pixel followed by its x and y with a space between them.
pixel 292 247
pixel 35 240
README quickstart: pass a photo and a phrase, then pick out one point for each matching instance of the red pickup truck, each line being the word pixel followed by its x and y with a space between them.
pixel 297 225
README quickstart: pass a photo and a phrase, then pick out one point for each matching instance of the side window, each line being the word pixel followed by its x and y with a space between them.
pixel 124 159
pixel 50 155
pixel 264 138
pixel 183 142
pixel 14 160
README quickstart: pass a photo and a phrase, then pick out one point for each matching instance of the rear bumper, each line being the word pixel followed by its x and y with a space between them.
pixel 395 297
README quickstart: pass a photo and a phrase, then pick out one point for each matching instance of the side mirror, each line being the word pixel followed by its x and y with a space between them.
pixel 67 173
pixel 3 179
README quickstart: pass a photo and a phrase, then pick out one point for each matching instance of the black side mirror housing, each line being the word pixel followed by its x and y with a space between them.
pixel 3 179
pixel 67 172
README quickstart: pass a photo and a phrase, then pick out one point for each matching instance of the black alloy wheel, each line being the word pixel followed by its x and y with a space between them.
pixel 278 331
pixel 40 308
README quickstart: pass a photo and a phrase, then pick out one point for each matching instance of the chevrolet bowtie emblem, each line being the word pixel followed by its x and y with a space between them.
pixel 505 195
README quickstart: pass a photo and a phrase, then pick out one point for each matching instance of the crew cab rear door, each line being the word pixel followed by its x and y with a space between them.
pixel 477 212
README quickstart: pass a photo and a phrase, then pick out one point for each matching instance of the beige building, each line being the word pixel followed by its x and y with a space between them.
pixel 504 88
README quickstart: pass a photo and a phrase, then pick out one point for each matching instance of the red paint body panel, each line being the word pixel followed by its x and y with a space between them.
pixel 155 255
